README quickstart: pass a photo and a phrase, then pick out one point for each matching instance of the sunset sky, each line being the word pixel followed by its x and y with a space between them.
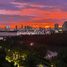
pixel 32 12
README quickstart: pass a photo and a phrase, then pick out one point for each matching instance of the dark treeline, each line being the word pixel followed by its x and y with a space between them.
pixel 52 41
pixel 41 43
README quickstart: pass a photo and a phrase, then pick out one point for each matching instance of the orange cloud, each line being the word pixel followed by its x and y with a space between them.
pixel 38 15
pixel 45 14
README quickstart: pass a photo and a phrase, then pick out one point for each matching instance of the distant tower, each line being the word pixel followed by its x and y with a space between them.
pixel 56 26
pixel 64 26
pixel 21 26
pixel 16 27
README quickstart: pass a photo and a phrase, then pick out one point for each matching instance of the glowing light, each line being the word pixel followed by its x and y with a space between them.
pixel 47 26
pixel 40 65
pixel 56 31
pixel 52 65
pixel 1 38
pixel 60 26
pixel 8 50
pixel 31 44
pixel 60 30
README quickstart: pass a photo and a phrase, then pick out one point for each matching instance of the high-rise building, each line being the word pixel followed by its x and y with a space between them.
pixel 21 26
pixel 56 26
pixel 28 27
pixel 64 26
pixel 7 28
pixel 16 28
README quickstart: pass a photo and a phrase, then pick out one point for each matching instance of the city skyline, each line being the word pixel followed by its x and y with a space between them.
pixel 32 25
pixel 36 13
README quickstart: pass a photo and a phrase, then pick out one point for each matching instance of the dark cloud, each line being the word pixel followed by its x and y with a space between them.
pixel 23 0
pixel 8 7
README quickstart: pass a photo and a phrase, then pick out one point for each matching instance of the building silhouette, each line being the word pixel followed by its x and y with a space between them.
pixel 56 26
pixel 7 28
pixel 64 26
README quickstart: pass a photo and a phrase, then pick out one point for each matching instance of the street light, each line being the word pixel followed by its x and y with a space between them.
pixel 31 44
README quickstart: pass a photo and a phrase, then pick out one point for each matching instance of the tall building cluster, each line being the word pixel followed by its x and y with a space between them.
pixel 30 30
pixel 64 26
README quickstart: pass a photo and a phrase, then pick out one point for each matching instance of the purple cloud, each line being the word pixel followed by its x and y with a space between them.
pixel 16 8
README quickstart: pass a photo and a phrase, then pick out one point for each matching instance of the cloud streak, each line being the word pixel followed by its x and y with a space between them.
pixel 35 11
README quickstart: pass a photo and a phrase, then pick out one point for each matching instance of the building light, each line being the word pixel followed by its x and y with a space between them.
pixel 1 38
pixel 60 26
pixel 56 31
pixel 60 30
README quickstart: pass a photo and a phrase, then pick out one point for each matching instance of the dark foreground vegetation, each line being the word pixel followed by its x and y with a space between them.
pixel 31 50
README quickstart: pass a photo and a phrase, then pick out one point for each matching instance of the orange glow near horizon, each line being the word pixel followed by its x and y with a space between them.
pixel 34 25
